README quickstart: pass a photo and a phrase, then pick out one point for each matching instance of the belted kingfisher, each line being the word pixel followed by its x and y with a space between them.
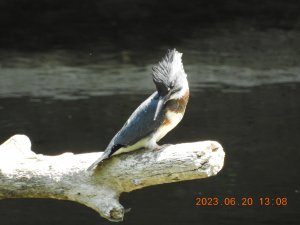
pixel 158 114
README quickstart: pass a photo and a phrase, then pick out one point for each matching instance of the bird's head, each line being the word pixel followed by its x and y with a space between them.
pixel 169 78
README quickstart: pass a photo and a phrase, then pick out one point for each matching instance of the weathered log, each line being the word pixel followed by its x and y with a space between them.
pixel 24 174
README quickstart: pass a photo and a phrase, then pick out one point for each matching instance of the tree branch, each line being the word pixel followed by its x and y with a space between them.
pixel 24 174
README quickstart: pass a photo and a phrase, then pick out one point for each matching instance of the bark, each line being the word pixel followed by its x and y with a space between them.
pixel 24 174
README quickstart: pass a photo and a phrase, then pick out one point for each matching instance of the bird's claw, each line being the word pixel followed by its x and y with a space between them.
pixel 161 147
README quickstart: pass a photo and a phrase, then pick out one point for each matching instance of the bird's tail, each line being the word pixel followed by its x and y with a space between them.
pixel 104 155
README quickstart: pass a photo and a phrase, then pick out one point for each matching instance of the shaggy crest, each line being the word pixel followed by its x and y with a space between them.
pixel 168 71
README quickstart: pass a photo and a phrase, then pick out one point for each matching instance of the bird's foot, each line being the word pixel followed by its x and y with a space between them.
pixel 161 147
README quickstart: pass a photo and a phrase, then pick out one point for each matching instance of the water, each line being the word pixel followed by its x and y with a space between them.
pixel 245 89
pixel 237 61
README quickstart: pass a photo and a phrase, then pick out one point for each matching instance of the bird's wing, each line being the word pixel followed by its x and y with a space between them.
pixel 140 124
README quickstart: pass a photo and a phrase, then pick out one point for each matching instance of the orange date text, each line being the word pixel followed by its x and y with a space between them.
pixel 241 201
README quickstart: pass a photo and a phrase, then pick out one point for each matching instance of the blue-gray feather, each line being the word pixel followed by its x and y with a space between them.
pixel 140 124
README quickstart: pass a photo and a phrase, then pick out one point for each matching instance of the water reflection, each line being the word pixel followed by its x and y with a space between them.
pixel 72 82
pixel 241 60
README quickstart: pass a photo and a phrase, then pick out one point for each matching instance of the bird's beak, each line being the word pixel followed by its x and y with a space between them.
pixel 160 104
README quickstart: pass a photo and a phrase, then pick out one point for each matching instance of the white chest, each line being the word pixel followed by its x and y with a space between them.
pixel 173 119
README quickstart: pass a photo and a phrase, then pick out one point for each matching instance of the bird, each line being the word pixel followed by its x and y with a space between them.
pixel 158 114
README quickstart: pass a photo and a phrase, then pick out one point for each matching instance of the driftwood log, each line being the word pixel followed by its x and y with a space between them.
pixel 24 174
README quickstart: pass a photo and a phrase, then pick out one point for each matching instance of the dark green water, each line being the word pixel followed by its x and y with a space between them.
pixel 258 127
pixel 72 73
